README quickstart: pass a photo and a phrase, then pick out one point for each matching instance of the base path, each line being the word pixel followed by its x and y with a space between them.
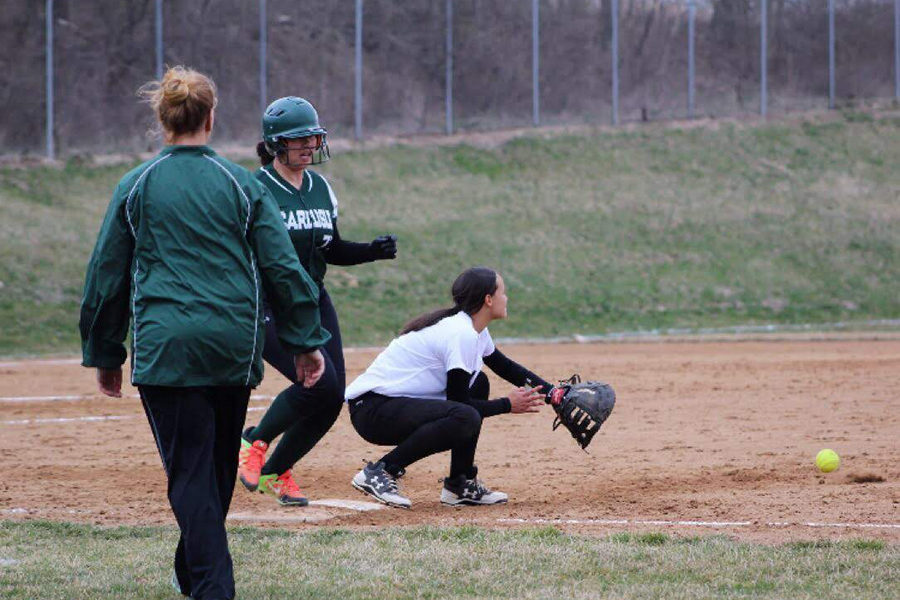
pixel 705 438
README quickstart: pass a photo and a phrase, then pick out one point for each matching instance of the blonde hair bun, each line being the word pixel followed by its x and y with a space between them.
pixel 175 90
pixel 182 99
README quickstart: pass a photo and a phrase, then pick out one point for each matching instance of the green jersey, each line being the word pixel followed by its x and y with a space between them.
pixel 188 246
pixel 309 215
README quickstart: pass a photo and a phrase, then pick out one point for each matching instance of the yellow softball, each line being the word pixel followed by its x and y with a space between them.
pixel 828 460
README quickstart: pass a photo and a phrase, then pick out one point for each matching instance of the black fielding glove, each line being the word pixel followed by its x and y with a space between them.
pixel 384 247
pixel 581 407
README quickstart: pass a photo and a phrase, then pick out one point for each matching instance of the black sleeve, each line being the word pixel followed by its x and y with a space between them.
pixel 343 253
pixel 512 371
pixel 458 391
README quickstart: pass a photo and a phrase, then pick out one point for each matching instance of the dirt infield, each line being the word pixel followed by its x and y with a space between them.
pixel 705 438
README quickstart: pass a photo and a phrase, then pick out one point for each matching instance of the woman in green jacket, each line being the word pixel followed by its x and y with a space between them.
pixel 189 246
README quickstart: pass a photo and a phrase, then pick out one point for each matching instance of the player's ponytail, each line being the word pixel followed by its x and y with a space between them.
pixel 182 100
pixel 468 292
pixel 428 319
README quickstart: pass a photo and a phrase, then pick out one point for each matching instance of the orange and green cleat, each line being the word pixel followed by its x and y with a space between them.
pixel 284 488
pixel 251 458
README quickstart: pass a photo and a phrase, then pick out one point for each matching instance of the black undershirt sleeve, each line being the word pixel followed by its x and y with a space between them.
pixel 344 253
pixel 512 371
pixel 458 391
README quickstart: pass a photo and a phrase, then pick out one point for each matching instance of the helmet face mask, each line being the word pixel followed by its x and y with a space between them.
pixel 279 149
pixel 290 118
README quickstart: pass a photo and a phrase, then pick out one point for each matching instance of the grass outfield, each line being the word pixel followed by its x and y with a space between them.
pixel 791 222
pixel 59 560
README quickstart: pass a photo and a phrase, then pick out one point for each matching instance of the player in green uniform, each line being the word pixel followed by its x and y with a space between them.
pixel 293 140
pixel 189 243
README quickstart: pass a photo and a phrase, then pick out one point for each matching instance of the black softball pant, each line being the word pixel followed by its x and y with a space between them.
pixel 420 428
pixel 198 435
pixel 303 415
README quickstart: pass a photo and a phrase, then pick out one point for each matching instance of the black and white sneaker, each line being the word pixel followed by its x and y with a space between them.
pixel 375 481
pixel 460 491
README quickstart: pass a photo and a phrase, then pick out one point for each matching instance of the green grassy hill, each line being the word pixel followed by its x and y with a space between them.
pixel 716 225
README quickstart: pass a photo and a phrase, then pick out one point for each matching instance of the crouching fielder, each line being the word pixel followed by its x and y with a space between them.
pixel 425 393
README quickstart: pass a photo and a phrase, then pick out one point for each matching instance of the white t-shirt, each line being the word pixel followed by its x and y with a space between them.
pixel 415 365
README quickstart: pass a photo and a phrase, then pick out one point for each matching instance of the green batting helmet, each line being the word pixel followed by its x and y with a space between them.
pixel 293 117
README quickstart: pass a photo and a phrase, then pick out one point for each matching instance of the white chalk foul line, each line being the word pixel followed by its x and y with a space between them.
pixel 22 363
pixel 66 420
pixel 41 398
pixel 89 418
pixel 42 362
pixel 356 505
pixel 855 525
pixel 15 399
pixel 695 523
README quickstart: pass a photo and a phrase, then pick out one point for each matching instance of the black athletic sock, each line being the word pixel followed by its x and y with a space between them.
pixel 394 470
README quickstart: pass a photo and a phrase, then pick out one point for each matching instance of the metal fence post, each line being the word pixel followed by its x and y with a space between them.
pixel 263 72
pixel 159 39
pixel 51 151
pixel 357 95
pixel 448 75
pixel 614 5
pixel 692 15
pixel 831 82
pixel 897 50
pixel 763 58
pixel 535 64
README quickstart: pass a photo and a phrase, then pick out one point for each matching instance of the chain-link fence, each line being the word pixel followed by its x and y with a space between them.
pixel 70 67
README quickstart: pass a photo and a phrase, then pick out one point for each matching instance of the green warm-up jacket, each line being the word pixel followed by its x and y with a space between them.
pixel 189 246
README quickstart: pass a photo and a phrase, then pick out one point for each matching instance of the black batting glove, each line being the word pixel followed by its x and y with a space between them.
pixel 384 247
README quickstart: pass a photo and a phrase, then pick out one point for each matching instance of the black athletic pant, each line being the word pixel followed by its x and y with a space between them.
pixel 303 415
pixel 420 428
pixel 198 435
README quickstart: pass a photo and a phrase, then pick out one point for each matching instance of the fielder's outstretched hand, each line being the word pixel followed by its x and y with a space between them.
pixel 526 400
pixel 109 381
pixel 310 367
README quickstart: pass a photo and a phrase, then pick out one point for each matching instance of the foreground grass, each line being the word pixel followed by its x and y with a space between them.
pixel 596 232
pixel 58 560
